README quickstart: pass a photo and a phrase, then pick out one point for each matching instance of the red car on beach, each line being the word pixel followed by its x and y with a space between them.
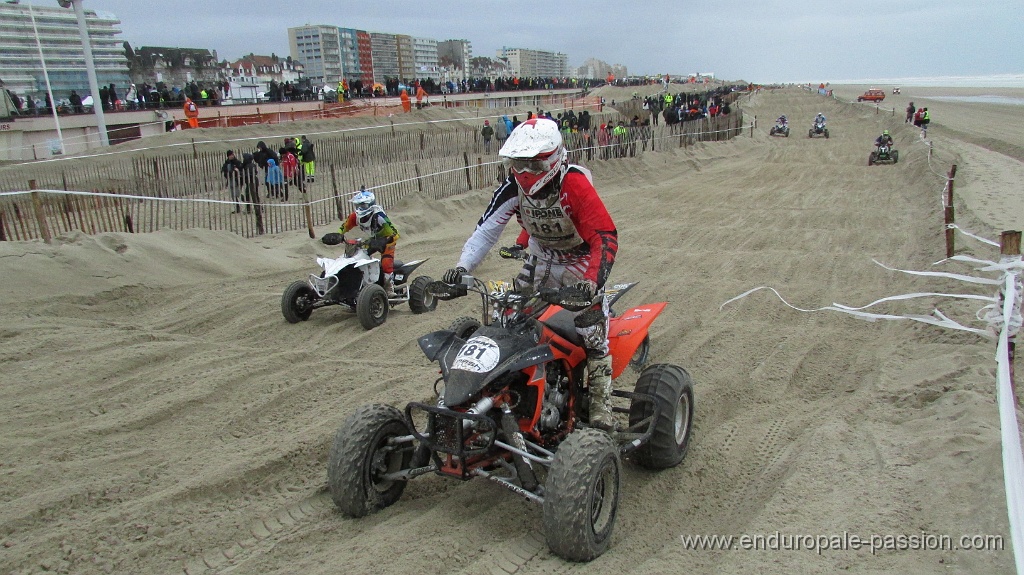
pixel 872 95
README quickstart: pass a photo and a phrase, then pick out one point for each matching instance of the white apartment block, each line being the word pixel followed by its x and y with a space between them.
pixel 531 63
pixel 318 48
pixel 61 42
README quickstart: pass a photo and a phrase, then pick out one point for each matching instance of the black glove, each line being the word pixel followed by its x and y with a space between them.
pixel 585 289
pixel 511 252
pixel 454 275
pixel 333 239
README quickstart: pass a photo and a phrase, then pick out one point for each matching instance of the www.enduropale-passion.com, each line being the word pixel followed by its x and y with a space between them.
pixel 845 541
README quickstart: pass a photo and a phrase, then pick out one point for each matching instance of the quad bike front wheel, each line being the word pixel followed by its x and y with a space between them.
pixel 464 327
pixel 372 306
pixel 872 158
pixel 826 133
pixel 581 497
pixel 672 389
pixel 360 456
pixel 297 302
pixel 810 133
pixel 421 300
pixel 895 156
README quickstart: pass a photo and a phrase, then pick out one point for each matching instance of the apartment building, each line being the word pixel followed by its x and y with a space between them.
pixel 385 56
pixel 318 49
pixel 535 63
pixel 20 67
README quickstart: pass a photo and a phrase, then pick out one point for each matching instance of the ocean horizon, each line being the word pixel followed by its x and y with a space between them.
pixel 981 81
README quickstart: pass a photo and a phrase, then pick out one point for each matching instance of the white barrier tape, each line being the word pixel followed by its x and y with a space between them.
pixel 941 320
pixel 1013 460
pixel 1012 265
pixel 970 279
pixel 268 137
pixel 153 198
pixel 969 234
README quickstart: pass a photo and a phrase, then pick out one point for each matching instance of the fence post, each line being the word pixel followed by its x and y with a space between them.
pixel 949 212
pixel 337 199
pixel 308 211
pixel 37 207
pixel 469 178
pixel 1009 247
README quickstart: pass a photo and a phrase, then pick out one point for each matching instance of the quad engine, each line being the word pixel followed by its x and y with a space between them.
pixel 555 397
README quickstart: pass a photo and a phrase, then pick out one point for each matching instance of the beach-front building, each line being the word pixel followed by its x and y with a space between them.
pixel 456 53
pixel 527 63
pixel 318 49
pixel 58 35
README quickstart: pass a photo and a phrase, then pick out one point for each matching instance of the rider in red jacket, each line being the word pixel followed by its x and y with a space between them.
pixel 571 238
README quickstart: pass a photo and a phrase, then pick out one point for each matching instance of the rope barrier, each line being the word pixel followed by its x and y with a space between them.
pixel 379 186
pixel 265 136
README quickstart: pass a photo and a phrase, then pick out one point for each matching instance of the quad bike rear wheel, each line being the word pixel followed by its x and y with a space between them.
pixel 582 495
pixel 360 455
pixel 420 300
pixel 297 302
pixel 372 306
pixel 672 389
pixel 464 327
pixel 641 355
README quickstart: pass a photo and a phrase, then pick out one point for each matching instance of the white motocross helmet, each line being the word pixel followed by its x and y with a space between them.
pixel 365 202
pixel 534 153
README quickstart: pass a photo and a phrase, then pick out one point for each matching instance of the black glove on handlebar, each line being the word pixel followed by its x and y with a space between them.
pixel 454 275
pixel 573 298
pixel 585 290
pixel 332 239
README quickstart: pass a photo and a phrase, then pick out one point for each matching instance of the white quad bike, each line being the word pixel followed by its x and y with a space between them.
pixel 355 282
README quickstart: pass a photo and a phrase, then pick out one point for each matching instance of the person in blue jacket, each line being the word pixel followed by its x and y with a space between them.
pixel 275 179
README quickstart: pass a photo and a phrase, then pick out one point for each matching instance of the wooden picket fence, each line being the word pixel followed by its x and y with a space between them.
pixel 144 193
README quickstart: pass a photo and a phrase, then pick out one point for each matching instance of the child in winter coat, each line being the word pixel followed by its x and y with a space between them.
pixel 275 178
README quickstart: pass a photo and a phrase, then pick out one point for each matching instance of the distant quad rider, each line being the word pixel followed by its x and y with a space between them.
pixel 382 235
pixel 819 119
pixel 783 121
pixel 884 140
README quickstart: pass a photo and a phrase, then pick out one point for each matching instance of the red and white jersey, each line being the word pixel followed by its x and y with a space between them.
pixel 570 227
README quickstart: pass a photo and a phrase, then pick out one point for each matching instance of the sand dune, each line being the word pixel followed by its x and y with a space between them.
pixel 160 416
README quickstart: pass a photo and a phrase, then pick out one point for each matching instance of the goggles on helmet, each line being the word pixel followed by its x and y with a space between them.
pixel 538 165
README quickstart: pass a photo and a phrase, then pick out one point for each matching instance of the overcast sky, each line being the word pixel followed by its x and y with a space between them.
pixel 753 40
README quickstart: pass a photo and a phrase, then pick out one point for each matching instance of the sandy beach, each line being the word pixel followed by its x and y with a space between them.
pixel 159 415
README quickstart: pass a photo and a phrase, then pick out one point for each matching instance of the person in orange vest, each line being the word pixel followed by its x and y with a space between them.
pixel 191 112
pixel 420 94
pixel 406 104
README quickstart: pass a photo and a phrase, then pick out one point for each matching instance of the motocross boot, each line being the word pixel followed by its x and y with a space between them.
pixel 389 285
pixel 599 380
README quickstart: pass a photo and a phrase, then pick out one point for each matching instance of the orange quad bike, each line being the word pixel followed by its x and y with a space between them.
pixel 513 406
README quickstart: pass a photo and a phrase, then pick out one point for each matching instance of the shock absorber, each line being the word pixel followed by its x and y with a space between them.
pixel 523 466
